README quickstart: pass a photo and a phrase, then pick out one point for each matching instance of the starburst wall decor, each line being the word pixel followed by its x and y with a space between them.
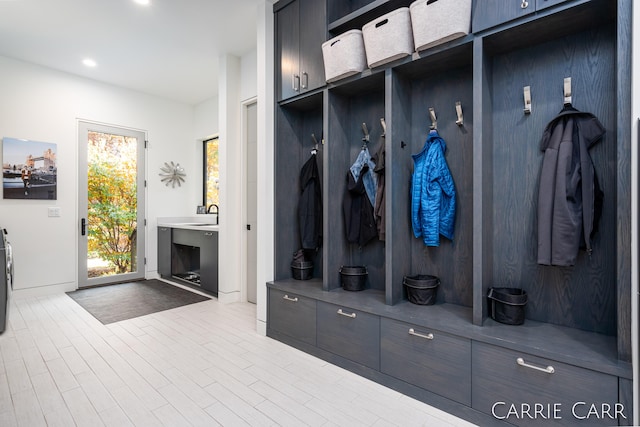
pixel 172 174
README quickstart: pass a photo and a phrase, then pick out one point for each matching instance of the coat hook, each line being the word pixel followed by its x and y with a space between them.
pixel 384 126
pixel 460 120
pixel 434 119
pixel 567 90
pixel 365 138
pixel 314 150
pixel 527 99
pixel 403 144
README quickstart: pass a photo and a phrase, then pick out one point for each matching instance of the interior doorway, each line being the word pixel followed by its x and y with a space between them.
pixel 250 132
pixel 111 204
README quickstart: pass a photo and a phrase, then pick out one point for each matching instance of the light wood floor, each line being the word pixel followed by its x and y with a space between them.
pixel 200 365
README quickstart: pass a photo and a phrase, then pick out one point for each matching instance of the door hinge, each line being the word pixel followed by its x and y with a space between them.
pixel 146 143
pixel 145 260
pixel 145 222
pixel 145 183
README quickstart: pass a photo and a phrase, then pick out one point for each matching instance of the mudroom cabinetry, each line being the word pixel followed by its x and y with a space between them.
pixel 300 31
pixel 453 354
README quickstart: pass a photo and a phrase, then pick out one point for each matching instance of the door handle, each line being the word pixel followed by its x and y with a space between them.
pixel 83 227
pixel 305 80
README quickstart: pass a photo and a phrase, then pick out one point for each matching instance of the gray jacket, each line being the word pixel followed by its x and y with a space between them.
pixel 569 198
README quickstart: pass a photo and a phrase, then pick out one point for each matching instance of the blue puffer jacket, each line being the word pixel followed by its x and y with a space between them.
pixel 433 193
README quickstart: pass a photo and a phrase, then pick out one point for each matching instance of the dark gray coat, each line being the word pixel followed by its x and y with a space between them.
pixel 569 197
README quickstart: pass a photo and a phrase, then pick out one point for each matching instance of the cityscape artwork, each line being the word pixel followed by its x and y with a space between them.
pixel 29 169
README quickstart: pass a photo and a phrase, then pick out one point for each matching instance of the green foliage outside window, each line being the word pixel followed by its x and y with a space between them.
pixel 211 172
pixel 112 192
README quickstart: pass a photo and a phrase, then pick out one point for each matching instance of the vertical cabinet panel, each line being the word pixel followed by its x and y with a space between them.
pixel 209 261
pixel 164 251
pixel 313 32
pixel 288 49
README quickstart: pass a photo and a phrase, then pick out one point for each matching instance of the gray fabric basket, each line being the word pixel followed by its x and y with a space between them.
pixel 344 56
pixel 439 21
pixel 388 38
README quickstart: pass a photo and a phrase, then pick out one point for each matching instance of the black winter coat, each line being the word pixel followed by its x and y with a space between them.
pixel 310 205
pixel 569 199
pixel 360 224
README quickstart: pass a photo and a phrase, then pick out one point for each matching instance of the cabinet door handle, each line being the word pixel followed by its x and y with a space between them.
pixel 305 80
pixel 342 313
pixel 208 233
pixel 295 82
pixel 548 370
pixel 288 298
pixel 413 332
pixel 525 4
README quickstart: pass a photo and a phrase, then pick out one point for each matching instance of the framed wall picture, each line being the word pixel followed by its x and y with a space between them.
pixel 29 169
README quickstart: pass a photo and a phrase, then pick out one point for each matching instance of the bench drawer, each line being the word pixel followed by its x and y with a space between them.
pixel 292 315
pixel 514 385
pixel 352 334
pixel 426 358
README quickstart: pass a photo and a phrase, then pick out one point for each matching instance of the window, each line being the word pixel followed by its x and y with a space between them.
pixel 211 172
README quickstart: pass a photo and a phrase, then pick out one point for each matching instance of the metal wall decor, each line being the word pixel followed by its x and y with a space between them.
pixel 172 174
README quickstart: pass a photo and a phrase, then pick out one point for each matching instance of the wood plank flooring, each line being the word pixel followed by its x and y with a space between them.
pixel 197 365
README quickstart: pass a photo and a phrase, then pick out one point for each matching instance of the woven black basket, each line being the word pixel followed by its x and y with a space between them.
pixel 421 289
pixel 353 278
pixel 506 305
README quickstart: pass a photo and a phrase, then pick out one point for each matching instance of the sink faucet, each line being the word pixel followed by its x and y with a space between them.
pixel 217 212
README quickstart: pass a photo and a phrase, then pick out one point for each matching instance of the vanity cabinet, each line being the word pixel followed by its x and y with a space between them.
pixel 182 251
pixel 300 31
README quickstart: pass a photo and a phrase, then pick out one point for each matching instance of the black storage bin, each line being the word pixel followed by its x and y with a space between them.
pixel 302 270
pixel 353 278
pixel 506 305
pixel 421 289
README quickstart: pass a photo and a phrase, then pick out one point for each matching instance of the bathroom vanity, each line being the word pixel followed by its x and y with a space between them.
pixel 188 253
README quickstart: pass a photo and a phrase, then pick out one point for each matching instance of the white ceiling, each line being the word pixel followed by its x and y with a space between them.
pixel 169 48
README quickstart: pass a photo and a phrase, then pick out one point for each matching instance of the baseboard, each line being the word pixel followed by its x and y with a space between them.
pixel 228 298
pixel 261 327
pixel 40 291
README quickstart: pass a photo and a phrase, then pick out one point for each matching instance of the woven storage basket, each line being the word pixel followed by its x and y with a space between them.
pixel 439 21
pixel 388 38
pixel 344 56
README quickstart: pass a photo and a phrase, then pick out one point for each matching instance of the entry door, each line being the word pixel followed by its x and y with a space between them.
pixel 111 204
pixel 251 132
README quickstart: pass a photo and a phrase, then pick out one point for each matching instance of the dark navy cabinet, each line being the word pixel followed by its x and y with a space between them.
pixel 164 251
pixel 292 315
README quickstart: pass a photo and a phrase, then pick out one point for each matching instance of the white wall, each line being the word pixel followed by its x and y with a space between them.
pixel 43 105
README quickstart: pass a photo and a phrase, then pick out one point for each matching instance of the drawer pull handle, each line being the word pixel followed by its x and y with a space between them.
pixel 288 298
pixel 342 313
pixel 428 336
pixel 548 370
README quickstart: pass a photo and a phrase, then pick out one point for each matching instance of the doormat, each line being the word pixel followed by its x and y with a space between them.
pixel 114 303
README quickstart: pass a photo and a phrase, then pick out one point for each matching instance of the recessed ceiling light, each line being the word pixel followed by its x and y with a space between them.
pixel 89 62
pixel 143 2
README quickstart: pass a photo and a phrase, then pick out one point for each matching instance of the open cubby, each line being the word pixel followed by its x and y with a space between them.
pixel 296 122
pixel 348 109
pixel 582 296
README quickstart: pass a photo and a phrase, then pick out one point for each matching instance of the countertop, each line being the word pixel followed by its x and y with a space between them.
pixel 206 222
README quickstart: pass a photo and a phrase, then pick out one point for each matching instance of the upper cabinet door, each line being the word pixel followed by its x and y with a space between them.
pixel 541 4
pixel 488 13
pixel 288 50
pixel 313 32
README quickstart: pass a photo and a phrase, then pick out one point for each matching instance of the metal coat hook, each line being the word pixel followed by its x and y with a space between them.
pixel 460 120
pixel 365 138
pixel 527 99
pixel 384 126
pixel 315 144
pixel 567 90
pixel 434 119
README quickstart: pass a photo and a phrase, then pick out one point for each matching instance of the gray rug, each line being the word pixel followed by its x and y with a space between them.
pixel 114 303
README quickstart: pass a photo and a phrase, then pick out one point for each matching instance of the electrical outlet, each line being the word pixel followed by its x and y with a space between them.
pixel 54 212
